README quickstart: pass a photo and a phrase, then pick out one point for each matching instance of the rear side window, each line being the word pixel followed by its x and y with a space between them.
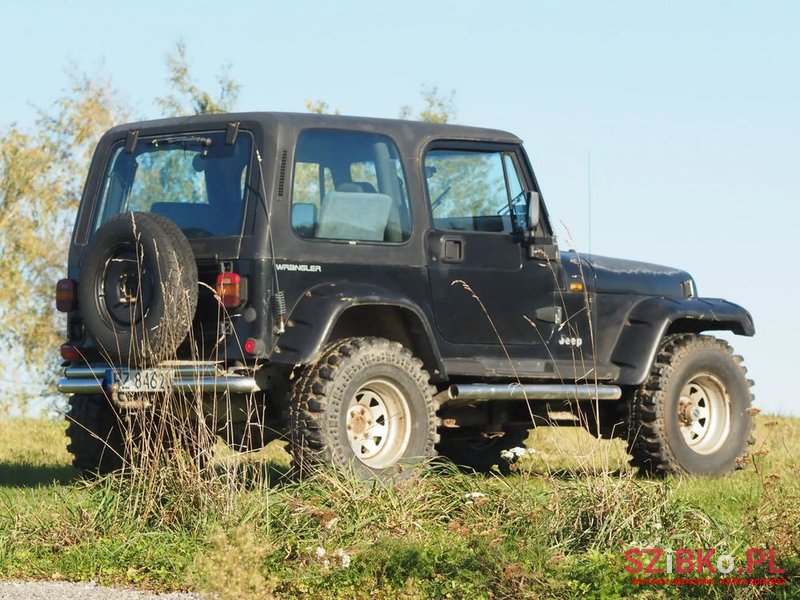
pixel 349 186
pixel 198 181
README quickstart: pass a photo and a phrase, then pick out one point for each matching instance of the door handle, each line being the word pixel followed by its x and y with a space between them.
pixel 452 250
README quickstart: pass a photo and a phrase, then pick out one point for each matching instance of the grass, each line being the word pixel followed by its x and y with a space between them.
pixel 556 528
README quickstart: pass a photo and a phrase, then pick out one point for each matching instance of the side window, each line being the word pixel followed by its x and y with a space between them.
pixel 473 190
pixel 364 174
pixel 312 182
pixel 349 186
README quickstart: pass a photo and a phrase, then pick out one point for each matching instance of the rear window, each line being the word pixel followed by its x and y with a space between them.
pixel 196 180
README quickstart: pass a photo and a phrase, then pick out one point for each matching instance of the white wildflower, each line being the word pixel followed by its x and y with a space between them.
pixel 513 454
pixel 474 495
pixel 319 552
pixel 343 557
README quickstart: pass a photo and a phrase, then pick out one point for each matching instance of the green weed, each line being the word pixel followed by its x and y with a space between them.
pixel 557 528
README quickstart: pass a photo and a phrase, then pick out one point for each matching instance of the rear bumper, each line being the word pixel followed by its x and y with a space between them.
pixel 186 377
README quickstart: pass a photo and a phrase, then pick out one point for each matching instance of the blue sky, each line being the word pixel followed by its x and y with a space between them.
pixel 690 111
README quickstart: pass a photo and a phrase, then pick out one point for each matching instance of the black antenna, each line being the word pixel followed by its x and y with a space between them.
pixel 278 298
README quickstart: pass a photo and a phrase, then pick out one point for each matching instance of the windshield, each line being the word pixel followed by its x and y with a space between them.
pixel 196 180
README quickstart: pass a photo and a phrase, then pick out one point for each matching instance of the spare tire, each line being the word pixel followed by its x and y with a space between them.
pixel 138 288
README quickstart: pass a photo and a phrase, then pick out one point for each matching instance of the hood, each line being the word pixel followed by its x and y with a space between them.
pixel 618 276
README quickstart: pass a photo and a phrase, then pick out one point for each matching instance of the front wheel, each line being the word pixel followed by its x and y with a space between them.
pixel 365 405
pixel 691 415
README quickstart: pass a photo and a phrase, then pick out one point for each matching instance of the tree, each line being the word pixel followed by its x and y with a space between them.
pixel 186 97
pixel 41 174
pixel 41 177
pixel 436 107
pixel 319 107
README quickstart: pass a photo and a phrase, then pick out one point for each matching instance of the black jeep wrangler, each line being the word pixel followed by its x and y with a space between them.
pixel 378 292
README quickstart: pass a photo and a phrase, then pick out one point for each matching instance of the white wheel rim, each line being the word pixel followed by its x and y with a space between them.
pixel 704 413
pixel 378 424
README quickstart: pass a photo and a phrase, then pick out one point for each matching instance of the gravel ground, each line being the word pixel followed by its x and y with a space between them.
pixel 62 590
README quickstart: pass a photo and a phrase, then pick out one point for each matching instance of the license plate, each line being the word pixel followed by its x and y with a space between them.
pixel 145 380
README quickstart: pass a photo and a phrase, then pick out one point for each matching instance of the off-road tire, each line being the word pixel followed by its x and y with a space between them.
pixel 138 288
pixel 478 453
pixel 103 440
pixel 692 375
pixel 327 393
pixel 96 439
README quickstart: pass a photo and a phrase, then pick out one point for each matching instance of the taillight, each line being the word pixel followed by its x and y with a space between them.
pixel 229 289
pixel 66 295
pixel 70 352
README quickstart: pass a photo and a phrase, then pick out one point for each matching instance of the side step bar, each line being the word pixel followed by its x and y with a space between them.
pixel 478 392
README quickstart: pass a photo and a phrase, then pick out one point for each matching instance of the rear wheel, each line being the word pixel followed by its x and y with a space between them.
pixel 103 440
pixel 95 433
pixel 366 405
pixel 690 416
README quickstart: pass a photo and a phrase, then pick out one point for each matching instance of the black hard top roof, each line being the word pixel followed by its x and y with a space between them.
pixel 397 128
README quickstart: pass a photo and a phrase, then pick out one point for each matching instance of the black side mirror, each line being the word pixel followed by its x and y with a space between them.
pixel 533 209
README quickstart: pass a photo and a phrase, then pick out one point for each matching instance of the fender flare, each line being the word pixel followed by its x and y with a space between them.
pixel 653 318
pixel 314 316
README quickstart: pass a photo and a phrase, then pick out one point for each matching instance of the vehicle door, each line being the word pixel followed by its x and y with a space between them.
pixel 485 288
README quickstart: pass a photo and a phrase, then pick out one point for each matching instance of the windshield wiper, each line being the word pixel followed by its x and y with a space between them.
pixel 182 139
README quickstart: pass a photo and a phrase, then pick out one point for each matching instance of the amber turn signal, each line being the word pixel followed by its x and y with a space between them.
pixel 229 289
